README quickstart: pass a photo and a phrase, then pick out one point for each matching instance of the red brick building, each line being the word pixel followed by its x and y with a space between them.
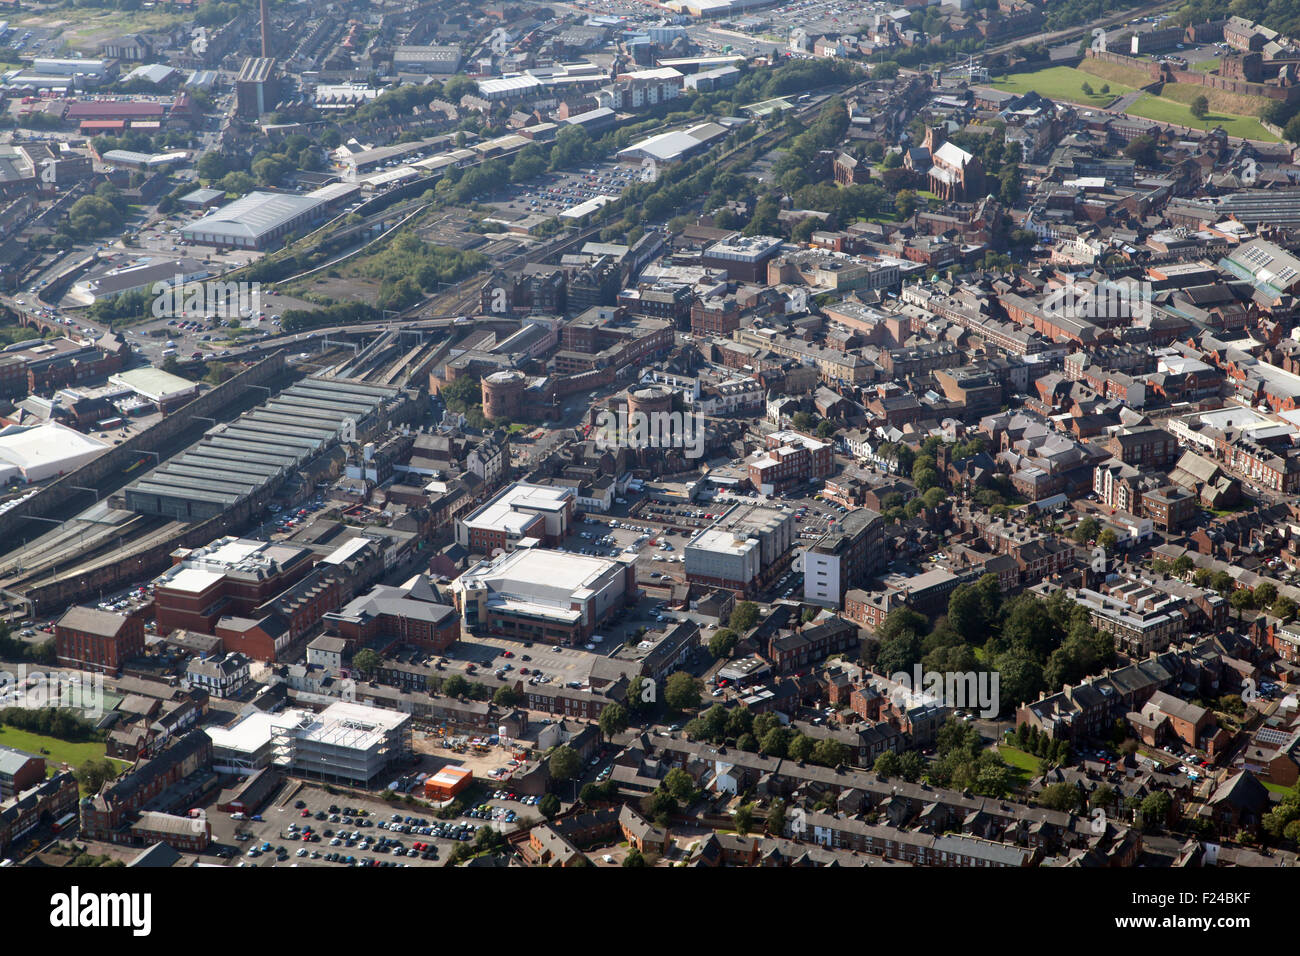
pixel 392 614
pixel 716 316
pixel 109 814
pixel 257 597
pixel 100 641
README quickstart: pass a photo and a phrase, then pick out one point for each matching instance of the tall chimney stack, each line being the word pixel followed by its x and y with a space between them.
pixel 266 29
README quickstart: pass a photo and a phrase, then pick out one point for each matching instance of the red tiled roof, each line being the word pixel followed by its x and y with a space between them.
pixel 111 110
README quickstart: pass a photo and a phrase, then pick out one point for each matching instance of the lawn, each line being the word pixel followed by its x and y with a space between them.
pixel 1278 788
pixel 1115 73
pixel 1062 83
pixel 1205 66
pixel 1025 764
pixel 1169 111
pixel 1221 101
pixel 60 751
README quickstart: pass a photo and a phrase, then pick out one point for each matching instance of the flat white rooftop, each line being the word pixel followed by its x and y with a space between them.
pixel 722 542
pixel 542 567
pixel 193 580
pixel 515 507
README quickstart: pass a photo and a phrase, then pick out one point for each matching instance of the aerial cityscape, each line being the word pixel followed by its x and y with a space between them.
pixel 634 434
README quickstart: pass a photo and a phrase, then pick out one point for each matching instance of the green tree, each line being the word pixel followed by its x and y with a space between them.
pixel 682 691
pixel 776 818
pixel 366 661
pixel 1155 808
pixel 640 698
pixel 744 818
pixel 743 616
pixel 549 805
pixel 679 783
pixel 775 742
pixel 94 773
pixel 1242 600
pixel 211 166
pixel 1200 107
pixel 800 748
pixel 910 766
pixel 1086 530
pixel 1064 797
pixel 634 858
pixel 723 642
pixel 1103 796
pixel 507 697
pixel 613 720
pixel 237 182
pixel 564 763
pixel 1142 150
pixel 455 686
pixel 830 752
pixel 905 204
pixel 888 764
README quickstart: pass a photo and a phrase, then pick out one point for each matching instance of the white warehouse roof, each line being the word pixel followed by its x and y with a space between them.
pixel 37 452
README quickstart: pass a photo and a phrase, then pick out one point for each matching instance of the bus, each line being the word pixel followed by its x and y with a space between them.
pixel 64 822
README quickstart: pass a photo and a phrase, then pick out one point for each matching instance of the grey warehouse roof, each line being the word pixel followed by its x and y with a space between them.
pixel 253 216
pixel 241 458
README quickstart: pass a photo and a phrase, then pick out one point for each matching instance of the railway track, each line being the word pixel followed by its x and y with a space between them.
pixel 96 538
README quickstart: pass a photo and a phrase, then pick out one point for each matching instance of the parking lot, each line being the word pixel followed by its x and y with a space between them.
pixel 823 16
pixel 555 192
pixel 316 828
pixel 544 661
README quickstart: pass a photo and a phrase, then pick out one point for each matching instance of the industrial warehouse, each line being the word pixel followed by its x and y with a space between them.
pixel 255 221
pixel 249 457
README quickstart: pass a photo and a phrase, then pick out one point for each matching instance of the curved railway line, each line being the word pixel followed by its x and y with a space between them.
pixel 95 538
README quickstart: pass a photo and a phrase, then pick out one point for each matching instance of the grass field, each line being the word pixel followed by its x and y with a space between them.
pixel 1062 83
pixel 1171 111
pixel 1113 73
pixel 90 28
pixel 1221 101
pixel 60 751
pixel 1024 764
pixel 1205 66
